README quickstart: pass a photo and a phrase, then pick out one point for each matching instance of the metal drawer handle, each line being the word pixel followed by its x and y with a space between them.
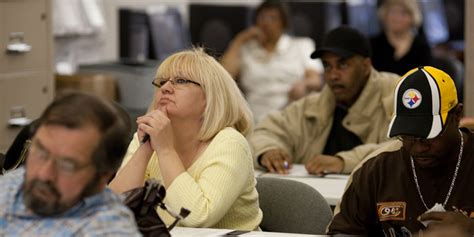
pixel 18 117
pixel 17 44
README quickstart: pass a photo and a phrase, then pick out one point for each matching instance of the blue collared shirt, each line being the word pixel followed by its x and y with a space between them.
pixel 102 214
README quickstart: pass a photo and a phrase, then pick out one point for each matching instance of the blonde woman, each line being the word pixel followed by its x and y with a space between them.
pixel 401 46
pixel 196 145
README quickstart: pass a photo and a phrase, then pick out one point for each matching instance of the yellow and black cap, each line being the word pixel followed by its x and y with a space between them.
pixel 423 98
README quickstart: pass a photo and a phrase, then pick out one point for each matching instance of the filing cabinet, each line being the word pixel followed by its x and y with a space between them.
pixel 26 64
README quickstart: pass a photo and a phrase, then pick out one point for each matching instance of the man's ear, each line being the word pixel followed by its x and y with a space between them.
pixel 458 112
pixel 368 65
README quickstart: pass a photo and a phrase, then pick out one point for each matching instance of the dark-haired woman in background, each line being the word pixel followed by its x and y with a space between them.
pixel 273 68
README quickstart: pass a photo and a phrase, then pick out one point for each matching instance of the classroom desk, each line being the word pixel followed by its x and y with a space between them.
pixel 202 232
pixel 331 186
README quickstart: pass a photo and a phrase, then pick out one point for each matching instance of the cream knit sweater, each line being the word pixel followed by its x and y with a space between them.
pixel 218 189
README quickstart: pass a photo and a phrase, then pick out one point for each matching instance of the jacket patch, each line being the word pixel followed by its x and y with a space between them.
pixel 391 211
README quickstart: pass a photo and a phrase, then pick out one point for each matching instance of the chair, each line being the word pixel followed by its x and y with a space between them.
pixel 292 207
pixel 16 153
pixel 2 160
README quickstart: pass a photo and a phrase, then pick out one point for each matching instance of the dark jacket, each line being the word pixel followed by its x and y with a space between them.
pixel 382 196
pixel 383 59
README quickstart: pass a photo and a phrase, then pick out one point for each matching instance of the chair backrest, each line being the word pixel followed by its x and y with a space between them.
pixel 291 206
pixel 16 153
pixel 2 160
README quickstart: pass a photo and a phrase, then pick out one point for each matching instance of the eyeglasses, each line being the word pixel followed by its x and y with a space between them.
pixel 410 140
pixel 64 166
pixel 178 81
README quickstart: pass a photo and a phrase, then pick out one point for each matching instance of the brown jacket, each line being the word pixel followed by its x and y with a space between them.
pixel 381 198
pixel 303 127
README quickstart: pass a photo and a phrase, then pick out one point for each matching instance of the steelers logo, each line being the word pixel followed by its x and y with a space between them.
pixel 411 98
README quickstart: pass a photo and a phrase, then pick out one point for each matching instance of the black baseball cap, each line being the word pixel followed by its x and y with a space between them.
pixel 344 41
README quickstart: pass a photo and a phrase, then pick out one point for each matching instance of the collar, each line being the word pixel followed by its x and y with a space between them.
pixel 370 98
pixel 323 105
pixel 19 209
pixel 282 45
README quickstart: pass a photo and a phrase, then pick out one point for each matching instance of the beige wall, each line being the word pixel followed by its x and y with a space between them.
pixel 469 59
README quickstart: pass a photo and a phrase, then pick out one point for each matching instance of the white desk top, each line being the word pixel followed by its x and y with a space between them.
pixel 207 232
pixel 331 186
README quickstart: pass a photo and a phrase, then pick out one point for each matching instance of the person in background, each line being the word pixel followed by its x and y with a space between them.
pixel 196 145
pixel 77 147
pixel 334 130
pixel 272 67
pixel 400 46
pixel 421 182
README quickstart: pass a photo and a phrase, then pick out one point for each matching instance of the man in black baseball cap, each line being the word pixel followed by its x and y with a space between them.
pixel 335 129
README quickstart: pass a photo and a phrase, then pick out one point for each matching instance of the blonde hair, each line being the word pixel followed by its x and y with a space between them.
pixel 225 104
pixel 411 5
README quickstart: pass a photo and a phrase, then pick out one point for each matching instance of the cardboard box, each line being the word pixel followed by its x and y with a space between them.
pixel 102 85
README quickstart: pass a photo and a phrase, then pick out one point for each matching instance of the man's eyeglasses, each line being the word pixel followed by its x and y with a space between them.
pixel 159 82
pixel 410 140
pixel 65 166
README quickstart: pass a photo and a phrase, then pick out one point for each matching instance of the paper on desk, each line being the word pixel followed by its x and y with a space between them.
pixel 437 207
pixel 208 232
pixel 197 232
pixel 298 170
